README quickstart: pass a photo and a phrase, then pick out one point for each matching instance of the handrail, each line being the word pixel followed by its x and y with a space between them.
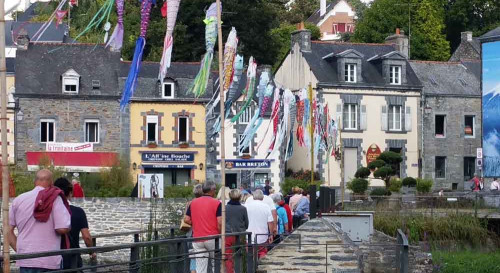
pixel 109 248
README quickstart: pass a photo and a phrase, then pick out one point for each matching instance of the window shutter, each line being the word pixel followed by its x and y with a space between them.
pixel 338 116
pixel 384 120
pixel 363 121
pixel 408 119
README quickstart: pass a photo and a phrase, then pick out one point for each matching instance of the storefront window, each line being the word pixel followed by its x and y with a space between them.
pixel 260 179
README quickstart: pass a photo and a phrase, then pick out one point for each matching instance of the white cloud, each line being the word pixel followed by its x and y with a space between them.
pixel 491 141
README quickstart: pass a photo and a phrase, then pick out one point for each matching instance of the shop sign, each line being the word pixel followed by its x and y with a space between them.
pixel 248 164
pixel 69 147
pixel 373 153
pixel 168 166
pixel 167 157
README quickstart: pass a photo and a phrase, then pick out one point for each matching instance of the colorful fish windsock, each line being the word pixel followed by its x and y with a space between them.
pixel 135 66
pixel 116 39
pixel 233 88
pixel 199 86
pixel 229 56
pixel 293 114
pixel 250 88
pixel 168 43
pixel 263 89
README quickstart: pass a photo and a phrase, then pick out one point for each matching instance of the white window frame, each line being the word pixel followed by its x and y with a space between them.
pixel 53 121
pixel 98 131
pixel 393 108
pixel 335 28
pixel 179 131
pixel 172 89
pixel 350 72
pixel 473 127
pixel 240 136
pixel 246 116
pixel 349 116
pixel 393 71
pixel 70 80
pixel 152 119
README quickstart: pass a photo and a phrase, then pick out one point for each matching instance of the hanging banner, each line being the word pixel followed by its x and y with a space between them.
pixel 69 147
pixel 248 164
pixel 373 153
pixel 167 157
pixel 150 185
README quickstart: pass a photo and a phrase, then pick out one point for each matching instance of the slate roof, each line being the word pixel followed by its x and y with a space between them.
pixel 30 12
pixel 491 35
pixel 11 65
pixel 148 86
pixel 474 67
pixel 446 78
pixel 315 18
pixel 52 34
pixel 326 70
pixel 41 66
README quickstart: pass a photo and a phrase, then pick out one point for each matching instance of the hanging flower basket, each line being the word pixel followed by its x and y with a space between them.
pixel 152 145
pixel 183 145
pixel 245 156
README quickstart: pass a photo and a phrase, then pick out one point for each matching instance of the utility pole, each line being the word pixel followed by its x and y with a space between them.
pixel 222 147
pixel 5 160
pixel 311 131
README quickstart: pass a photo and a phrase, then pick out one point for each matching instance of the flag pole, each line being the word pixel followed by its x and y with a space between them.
pixel 222 147
pixel 5 160
pixel 311 132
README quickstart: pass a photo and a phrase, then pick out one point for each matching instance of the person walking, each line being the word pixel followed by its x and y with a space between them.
pixel 267 188
pixel 79 225
pixel 495 186
pixel 77 188
pixel 282 218
pixel 39 225
pixel 260 221
pixel 197 192
pixel 236 221
pixel 302 210
pixel 294 200
pixel 288 214
pixel 476 186
pixel 204 215
pixel 269 201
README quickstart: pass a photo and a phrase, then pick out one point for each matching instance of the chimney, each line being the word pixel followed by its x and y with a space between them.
pixel 399 41
pixel 466 36
pixel 322 8
pixel 303 38
pixel 22 39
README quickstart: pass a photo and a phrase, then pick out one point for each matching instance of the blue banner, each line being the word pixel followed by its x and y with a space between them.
pixel 167 157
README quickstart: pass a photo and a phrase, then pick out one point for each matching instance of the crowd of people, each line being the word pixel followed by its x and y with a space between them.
pixel 45 221
pixel 267 215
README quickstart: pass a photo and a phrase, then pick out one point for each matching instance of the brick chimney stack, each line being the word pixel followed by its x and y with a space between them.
pixel 466 36
pixel 399 41
pixel 22 39
pixel 322 8
pixel 301 36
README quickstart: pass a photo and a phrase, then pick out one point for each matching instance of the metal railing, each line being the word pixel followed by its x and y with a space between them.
pixel 160 255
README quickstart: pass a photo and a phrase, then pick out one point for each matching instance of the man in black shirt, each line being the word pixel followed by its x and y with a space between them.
pixel 79 225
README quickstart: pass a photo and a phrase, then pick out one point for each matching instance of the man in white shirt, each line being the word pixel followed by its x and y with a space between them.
pixel 260 221
pixel 268 201
pixel 495 186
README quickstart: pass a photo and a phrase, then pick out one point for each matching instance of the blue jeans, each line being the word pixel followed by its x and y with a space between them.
pixel 33 270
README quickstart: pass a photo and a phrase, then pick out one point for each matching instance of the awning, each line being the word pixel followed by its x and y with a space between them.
pixel 73 161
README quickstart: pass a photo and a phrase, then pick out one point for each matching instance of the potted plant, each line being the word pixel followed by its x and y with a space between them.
pixel 152 144
pixel 183 145
pixel 245 156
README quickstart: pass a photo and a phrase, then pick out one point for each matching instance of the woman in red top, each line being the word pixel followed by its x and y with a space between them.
pixel 77 189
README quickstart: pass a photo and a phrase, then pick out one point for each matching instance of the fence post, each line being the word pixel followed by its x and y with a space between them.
pixel 94 261
pixel 237 257
pixel 217 255
pixel 475 206
pixel 313 206
pixel 134 256
pixel 155 247
pixel 402 253
pixel 249 252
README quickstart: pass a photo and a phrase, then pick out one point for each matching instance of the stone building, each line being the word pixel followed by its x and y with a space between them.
pixel 450 121
pixel 469 48
pixel 68 107
pixel 250 167
pixel 334 19
pixel 167 124
pixel 374 94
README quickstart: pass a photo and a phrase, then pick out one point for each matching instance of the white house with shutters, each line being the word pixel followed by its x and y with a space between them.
pixel 374 95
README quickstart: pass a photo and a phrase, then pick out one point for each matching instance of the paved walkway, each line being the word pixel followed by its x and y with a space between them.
pixel 312 256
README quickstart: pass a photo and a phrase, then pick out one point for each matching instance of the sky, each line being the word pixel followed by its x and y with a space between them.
pixel 491 67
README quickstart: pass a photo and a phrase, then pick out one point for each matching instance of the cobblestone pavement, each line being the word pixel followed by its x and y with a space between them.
pixel 321 242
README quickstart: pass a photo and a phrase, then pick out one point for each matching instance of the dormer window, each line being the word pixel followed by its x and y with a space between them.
pixel 167 91
pixel 395 74
pixel 350 72
pixel 70 82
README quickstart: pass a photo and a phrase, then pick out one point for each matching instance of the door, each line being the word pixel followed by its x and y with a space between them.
pixel 231 180
pixel 350 163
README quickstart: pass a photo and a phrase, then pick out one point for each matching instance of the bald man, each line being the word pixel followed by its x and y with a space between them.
pixel 35 236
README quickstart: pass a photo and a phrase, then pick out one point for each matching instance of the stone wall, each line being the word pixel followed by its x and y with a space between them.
pixel 114 215
pixel 454 146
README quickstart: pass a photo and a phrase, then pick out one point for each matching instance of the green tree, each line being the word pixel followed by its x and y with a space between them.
pixel 429 41
pixel 478 16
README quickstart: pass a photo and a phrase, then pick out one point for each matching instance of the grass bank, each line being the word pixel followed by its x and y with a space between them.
pixel 466 262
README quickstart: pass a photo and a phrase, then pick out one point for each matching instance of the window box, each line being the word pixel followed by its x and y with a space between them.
pixel 245 156
pixel 152 145
pixel 183 145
